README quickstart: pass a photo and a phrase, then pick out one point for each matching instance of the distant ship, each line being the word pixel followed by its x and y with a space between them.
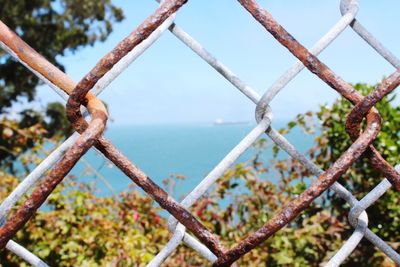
pixel 222 122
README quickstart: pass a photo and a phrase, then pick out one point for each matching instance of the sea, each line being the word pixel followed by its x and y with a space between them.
pixel 184 150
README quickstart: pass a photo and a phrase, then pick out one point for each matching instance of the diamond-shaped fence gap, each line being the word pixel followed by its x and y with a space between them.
pixel 177 88
pixel 170 153
pixel 155 62
pixel 248 52
pixel 293 96
pixel 304 15
pixel 253 64
pixel 357 53
pixel 92 169
pixel 382 25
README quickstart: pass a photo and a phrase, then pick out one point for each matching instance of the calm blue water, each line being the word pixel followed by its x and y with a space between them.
pixel 162 150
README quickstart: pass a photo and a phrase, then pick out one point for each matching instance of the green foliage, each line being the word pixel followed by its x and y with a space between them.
pixel 331 141
pixel 79 229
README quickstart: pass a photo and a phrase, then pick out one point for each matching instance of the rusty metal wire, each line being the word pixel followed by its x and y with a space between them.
pixel 89 135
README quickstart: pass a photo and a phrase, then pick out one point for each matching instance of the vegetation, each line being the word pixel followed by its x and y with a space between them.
pixel 79 228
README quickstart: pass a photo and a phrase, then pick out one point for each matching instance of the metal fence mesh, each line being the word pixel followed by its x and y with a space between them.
pixel 184 226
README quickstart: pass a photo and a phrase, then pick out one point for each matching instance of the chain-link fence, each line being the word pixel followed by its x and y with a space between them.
pixel 184 225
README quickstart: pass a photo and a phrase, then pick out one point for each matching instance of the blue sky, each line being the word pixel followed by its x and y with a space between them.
pixel 171 84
